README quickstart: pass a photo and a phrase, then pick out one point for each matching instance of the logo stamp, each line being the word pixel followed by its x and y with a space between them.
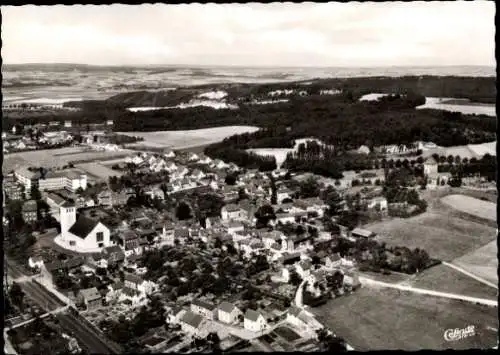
pixel 459 334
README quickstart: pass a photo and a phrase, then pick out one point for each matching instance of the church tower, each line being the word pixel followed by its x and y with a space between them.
pixel 68 217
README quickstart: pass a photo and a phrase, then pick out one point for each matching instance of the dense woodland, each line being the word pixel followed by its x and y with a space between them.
pixel 338 120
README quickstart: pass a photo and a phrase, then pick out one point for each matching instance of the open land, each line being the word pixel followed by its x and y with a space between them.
pixel 385 319
pixel 443 278
pixel 444 237
pixel 189 138
pixel 56 157
pixel 473 206
pixel 482 262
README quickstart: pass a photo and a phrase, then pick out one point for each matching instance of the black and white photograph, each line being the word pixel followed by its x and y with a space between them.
pixel 249 177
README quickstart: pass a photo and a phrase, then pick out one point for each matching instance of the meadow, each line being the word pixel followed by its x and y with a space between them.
pixel 189 138
pixel 446 279
pixel 443 236
pixel 482 262
pixel 387 319
pixel 56 157
pixel 473 206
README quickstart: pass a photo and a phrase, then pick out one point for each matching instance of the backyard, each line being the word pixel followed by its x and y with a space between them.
pixel 386 319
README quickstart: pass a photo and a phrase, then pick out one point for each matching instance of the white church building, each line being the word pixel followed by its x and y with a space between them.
pixel 82 235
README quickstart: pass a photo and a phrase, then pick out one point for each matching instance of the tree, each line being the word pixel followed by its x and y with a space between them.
pixel 16 295
pixel 294 278
pixel 231 179
pixel 264 214
pixel 334 202
pixel 309 188
pixel 183 211
pixel 35 193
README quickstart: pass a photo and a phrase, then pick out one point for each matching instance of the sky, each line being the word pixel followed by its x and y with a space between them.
pixel 279 34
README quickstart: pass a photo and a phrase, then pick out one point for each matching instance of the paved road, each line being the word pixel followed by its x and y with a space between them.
pixel 463 271
pixel 371 282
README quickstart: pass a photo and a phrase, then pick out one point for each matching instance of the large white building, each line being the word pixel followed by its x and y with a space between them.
pixel 70 180
pixel 82 235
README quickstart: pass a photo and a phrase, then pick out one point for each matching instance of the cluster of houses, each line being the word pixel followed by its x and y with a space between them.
pixel 18 142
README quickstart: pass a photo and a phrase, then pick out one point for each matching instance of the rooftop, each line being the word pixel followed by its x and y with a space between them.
pixel 83 226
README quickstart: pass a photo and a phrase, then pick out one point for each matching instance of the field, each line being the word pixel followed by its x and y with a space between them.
pixel 446 279
pixel 190 138
pixel 371 319
pixel 482 262
pixel 473 206
pixel 99 170
pixel 464 151
pixel 461 106
pixel 56 157
pixel 443 236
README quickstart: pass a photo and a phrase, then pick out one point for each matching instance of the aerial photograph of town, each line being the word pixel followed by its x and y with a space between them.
pixel 281 177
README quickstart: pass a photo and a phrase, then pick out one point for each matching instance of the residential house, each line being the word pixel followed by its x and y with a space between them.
pixel 234 226
pixel 91 297
pixel 168 233
pixel 283 193
pixel 363 150
pixel 205 160
pixel 168 153
pixel 197 174
pixel 295 316
pixel 193 157
pixel 138 284
pixel 35 262
pixel 233 211
pixel 129 241
pixel 379 203
pixel 333 261
pixel 104 198
pixel 270 238
pixel 351 279
pixel 228 312
pixel 254 321
pixel 30 211
pixel 310 205
pixel 203 308
pixel 304 268
pixel 296 242
pixel 113 255
pixel 192 324
pixel 218 164
pixel 362 233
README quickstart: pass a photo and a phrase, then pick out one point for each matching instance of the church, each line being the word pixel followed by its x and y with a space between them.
pixel 82 234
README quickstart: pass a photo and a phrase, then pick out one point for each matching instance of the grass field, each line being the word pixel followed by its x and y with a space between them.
pixel 384 319
pixel 55 157
pixel 443 236
pixel 190 138
pixel 99 170
pixel 446 279
pixel 473 206
pixel 482 262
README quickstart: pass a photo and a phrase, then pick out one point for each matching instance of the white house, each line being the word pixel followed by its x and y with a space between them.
pixel 363 150
pixel 82 235
pixel 282 194
pixel 228 312
pixel 205 160
pixel 35 262
pixel 170 167
pixel 234 227
pixel 193 157
pixel 295 317
pixel 205 309
pixel 169 153
pixel 197 174
pixel 254 321
pixel 219 164
pixel 192 324
pixel 381 202
pixel 333 261
pixel 232 211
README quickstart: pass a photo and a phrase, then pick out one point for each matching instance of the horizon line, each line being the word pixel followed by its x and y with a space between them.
pixel 248 66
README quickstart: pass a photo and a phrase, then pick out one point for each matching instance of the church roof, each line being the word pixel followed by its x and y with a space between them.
pixel 83 226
